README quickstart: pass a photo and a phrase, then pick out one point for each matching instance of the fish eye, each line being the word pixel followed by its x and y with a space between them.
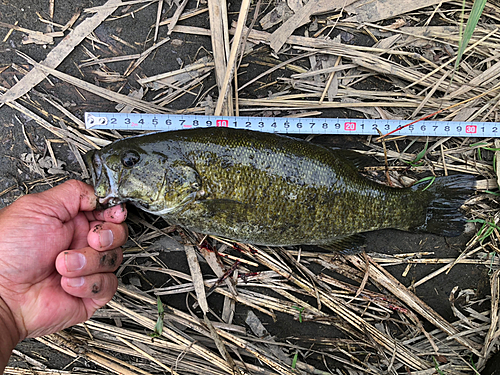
pixel 130 158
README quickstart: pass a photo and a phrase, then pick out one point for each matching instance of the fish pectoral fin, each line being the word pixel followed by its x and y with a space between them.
pixel 347 245
pixel 224 207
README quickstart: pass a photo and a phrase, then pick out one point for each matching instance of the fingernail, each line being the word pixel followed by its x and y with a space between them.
pixel 105 237
pixel 75 282
pixel 74 261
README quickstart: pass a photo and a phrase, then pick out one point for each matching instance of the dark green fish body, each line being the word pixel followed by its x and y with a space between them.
pixel 264 189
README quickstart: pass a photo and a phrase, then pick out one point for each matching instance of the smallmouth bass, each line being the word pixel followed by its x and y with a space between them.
pixel 266 189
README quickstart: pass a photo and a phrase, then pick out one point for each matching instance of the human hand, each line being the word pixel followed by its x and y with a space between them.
pixel 57 258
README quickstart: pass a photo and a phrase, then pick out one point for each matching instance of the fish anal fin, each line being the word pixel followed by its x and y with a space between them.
pixel 346 245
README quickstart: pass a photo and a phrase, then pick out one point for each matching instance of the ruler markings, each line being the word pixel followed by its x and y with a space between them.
pixel 287 125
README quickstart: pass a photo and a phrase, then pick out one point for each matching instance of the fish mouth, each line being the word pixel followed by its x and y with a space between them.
pixel 105 187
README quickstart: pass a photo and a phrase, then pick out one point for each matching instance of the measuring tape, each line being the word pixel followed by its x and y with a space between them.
pixel 288 125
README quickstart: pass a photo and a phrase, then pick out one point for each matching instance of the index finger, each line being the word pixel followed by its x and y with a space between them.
pixel 115 214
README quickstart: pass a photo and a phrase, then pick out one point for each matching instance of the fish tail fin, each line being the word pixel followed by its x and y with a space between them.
pixel 446 195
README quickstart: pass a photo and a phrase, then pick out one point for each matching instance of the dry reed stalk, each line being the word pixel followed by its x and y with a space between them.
pixel 184 16
pixel 73 118
pixel 109 6
pixel 263 300
pixel 144 55
pixel 70 346
pixel 34 371
pixel 189 68
pixel 282 34
pixel 34 36
pixel 223 333
pixel 482 80
pixel 399 290
pixel 220 47
pixel 250 302
pixel 449 62
pixel 430 94
pixel 229 306
pixel 148 356
pixel 333 69
pixel 67 136
pixel 276 67
pixel 339 307
pixel 109 60
pixel 174 336
pixel 158 17
pixel 107 94
pixel 175 17
pixel 131 335
pixel 180 91
pixel 57 55
pixel 301 104
pixel 394 261
pixel 233 55
pixel 197 277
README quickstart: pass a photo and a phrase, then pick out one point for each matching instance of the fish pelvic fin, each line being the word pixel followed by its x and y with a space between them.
pixel 446 195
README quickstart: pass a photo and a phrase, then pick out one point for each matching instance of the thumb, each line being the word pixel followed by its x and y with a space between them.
pixel 64 201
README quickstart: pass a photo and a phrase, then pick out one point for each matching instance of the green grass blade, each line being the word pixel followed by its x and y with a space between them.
pixel 421 154
pixel 430 178
pixel 159 323
pixel 295 358
pixel 492 192
pixel 475 14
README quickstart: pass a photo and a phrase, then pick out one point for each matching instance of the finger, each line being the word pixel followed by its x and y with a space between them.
pixel 99 287
pixel 65 201
pixel 80 232
pixel 106 235
pixel 88 261
pixel 115 214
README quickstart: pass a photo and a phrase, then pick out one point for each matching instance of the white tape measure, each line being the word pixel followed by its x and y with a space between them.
pixel 163 122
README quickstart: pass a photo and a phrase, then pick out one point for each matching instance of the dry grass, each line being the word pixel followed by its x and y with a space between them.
pixel 381 320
